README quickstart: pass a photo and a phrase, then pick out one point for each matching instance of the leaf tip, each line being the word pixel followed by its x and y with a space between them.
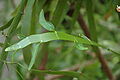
pixel 7 49
pixel 41 13
pixel 29 68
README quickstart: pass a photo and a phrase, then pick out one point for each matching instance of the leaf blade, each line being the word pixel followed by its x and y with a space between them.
pixel 50 36
pixel 34 54
pixel 66 73
pixel 47 25
pixel 6 25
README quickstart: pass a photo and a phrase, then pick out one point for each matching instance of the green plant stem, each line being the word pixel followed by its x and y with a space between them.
pixel 13 27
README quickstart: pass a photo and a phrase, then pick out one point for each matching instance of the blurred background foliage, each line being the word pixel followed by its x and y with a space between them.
pixel 70 16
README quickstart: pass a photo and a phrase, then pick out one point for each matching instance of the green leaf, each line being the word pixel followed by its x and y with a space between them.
pixel 6 25
pixel 19 33
pixel 34 54
pixel 115 60
pixel 20 36
pixel 47 25
pixel 50 36
pixel 31 26
pixel 76 12
pixel 66 73
pixel 52 8
pixel 26 20
pixel 83 36
pixel 60 12
pixel 12 29
pixel 14 13
pixel 35 15
pixel 80 46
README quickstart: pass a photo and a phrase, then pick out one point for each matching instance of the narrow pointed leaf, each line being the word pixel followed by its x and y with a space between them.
pixel 26 21
pixel 34 54
pixel 60 12
pixel 66 73
pixel 47 25
pixel 50 36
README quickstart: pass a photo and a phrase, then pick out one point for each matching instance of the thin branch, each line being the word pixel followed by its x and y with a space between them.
pixel 99 55
pixel 83 25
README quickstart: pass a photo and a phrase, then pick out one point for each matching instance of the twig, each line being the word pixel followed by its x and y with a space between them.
pixel 83 25
pixel 99 55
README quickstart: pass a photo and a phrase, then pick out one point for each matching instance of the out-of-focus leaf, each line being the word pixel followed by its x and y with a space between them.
pixel 12 29
pixel 1 44
pixel 26 21
pixel 6 25
pixel 116 2
pixel 47 25
pixel 50 36
pixel 76 12
pixel 66 73
pixel 29 23
pixel 60 12
pixel 34 54
pixel 14 13
pixel 115 60
pixel 19 33
pixel 20 36
pixel 38 5
pixel 53 7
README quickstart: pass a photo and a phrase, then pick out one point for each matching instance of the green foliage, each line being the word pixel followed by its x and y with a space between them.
pixel 45 37
pixel 80 46
pixel 74 39
pixel 26 21
pixel 66 73
pixel 13 27
pixel 34 54
pixel 6 25
pixel 47 25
